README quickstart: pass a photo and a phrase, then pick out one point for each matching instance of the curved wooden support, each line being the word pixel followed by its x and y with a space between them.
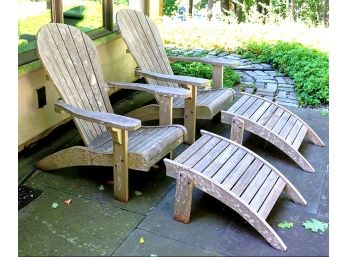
pixel 74 156
pixel 289 187
pixel 280 143
pixel 314 137
pixel 227 197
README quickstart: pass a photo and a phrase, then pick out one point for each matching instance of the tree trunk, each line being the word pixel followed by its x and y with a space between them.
pixel 239 11
pixel 293 8
pixel 210 9
pixel 190 7
pixel 325 13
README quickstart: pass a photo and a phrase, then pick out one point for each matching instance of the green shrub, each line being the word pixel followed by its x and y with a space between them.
pixel 308 67
pixel 199 70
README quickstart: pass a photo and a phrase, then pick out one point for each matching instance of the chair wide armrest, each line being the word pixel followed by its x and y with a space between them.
pixel 198 82
pixel 215 62
pixel 103 118
pixel 155 89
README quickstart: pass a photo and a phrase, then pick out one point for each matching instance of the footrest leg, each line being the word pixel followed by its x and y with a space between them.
pixel 237 130
pixel 183 198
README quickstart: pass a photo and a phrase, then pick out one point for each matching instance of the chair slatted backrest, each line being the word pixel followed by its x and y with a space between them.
pixel 70 58
pixel 145 44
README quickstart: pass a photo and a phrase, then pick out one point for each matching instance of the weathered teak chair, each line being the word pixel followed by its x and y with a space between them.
pixel 71 60
pixel 257 115
pixel 234 175
pixel 145 45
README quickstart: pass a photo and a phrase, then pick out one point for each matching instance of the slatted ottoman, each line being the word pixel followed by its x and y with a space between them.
pixel 234 175
pixel 272 122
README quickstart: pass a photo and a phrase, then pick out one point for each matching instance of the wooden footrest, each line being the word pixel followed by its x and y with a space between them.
pixel 234 175
pixel 272 122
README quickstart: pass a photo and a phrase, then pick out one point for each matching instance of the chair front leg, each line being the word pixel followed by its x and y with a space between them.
pixel 165 110
pixel 190 115
pixel 218 76
pixel 120 165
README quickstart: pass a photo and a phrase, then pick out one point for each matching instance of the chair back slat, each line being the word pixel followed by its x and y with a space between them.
pixel 144 42
pixel 71 61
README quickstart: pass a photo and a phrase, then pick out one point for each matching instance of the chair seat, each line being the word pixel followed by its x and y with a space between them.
pixel 209 102
pixel 146 144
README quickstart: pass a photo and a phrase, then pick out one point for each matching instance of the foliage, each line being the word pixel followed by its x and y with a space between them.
pixel 285 224
pixel 170 7
pixel 204 71
pixel 307 66
pixel 315 225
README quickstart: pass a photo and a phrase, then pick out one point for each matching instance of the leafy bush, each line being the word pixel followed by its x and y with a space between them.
pixel 204 71
pixel 170 7
pixel 307 66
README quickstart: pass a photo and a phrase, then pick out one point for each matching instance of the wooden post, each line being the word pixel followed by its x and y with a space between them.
pixel 237 130
pixel 165 110
pixel 190 115
pixel 57 11
pixel 183 198
pixel 120 165
pixel 108 14
pixel 218 76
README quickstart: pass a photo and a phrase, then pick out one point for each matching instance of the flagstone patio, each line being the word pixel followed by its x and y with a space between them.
pixel 95 224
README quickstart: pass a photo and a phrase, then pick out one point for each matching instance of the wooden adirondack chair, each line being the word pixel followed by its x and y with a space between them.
pixel 145 44
pixel 71 60
pixel 264 118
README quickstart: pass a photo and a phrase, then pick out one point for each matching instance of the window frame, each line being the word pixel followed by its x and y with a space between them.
pixel 57 17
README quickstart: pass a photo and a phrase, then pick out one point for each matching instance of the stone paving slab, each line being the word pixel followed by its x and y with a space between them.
pixel 209 218
pixel 85 182
pixel 85 228
pixel 157 245
pixel 299 241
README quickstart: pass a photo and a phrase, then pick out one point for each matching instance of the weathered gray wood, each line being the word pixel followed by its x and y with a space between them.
pixel 238 104
pixel 271 198
pixel 107 119
pixel 228 166
pixel 267 115
pixel 155 89
pixel 263 192
pixel 210 157
pixel 198 82
pixel 183 198
pixel 70 58
pixel 219 161
pixel 218 76
pixel 120 156
pixel 198 144
pixel 190 115
pixel 245 106
pixel 237 130
pixel 274 119
pixel 238 171
pixel 204 60
pixel 294 131
pixel 145 44
pixel 281 123
pixel 247 177
pixel 255 184
pixel 260 111
pixel 299 138
pixel 165 110
pixel 253 108
pixel 287 127
pixel 200 153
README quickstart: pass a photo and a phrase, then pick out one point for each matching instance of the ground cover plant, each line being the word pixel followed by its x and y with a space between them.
pixel 308 67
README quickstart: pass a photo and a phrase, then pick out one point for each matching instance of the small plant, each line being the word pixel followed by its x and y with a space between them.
pixel 195 69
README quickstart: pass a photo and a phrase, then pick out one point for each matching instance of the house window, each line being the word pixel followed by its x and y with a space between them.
pixel 95 17
pixel 86 15
pixel 32 16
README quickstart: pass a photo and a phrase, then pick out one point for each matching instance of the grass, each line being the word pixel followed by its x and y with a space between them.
pixel 293 48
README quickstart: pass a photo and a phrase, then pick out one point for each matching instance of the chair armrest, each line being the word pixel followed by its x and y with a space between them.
pixel 155 89
pixel 198 82
pixel 215 62
pixel 103 118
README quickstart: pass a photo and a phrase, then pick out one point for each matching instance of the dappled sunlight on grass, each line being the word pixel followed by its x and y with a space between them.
pixel 219 34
